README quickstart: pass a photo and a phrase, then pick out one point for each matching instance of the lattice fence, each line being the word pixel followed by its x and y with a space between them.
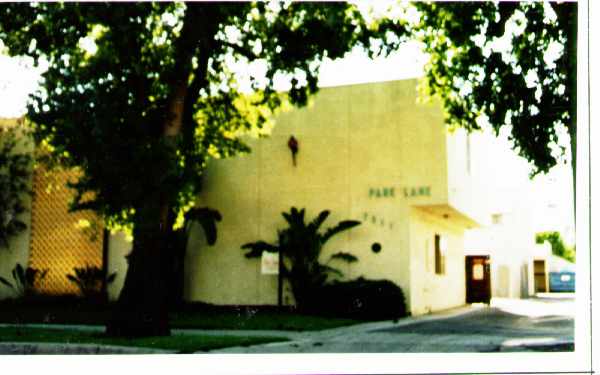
pixel 60 240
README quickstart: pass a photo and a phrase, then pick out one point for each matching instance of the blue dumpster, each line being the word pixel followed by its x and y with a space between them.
pixel 562 281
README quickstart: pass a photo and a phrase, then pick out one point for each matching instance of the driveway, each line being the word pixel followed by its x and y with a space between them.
pixel 537 324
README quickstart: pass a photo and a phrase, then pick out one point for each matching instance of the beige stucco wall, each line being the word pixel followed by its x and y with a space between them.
pixel 431 291
pixel 464 173
pixel 354 142
pixel 367 152
pixel 119 245
pixel 18 251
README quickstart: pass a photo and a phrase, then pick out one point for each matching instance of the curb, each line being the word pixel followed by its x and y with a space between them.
pixel 402 322
pixel 19 348
pixel 177 331
pixel 554 346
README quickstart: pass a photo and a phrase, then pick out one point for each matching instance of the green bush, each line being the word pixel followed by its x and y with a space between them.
pixel 91 281
pixel 360 299
pixel 301 244
pixel 15 172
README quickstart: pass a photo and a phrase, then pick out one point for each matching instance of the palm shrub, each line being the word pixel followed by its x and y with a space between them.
pixel 300 245
pixel 91 281
pixel 25 280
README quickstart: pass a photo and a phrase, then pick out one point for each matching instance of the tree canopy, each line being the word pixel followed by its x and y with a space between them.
pixel 511 65
pixel 115 69
pixel 140 95
pixel 559 248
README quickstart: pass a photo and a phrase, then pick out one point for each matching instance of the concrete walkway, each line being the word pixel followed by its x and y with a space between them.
pixel 540 324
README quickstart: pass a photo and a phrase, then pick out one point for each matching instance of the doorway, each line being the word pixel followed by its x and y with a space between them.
pixel 540 281
pixel 478 279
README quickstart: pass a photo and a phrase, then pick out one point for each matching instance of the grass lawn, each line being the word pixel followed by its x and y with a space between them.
pixel 72 311
pixel 179 343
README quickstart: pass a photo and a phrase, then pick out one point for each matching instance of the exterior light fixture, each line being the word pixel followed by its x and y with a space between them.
pixel 293 146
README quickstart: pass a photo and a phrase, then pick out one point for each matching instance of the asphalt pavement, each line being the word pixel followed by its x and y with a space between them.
pixel 507 325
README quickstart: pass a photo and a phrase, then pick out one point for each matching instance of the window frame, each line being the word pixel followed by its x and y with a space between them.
pixel 439 257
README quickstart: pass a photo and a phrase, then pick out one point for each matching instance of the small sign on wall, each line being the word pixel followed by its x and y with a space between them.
pixel 269 263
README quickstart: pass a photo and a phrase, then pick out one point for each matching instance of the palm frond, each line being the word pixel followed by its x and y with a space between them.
pixel 340 227
pixel 318 221
pixel 330 270
pixel 6 282
pixel 19 274
pixel 346 257
pixel 208 218
pixel 257 248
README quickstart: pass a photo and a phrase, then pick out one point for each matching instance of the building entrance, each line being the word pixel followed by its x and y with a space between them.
pixel 478 278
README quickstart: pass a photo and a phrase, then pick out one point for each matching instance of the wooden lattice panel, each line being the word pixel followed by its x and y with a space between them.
pixel 58 243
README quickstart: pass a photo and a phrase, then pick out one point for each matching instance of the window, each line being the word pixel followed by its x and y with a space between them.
pixel 478 272
pixel 497 218
pixel 440 255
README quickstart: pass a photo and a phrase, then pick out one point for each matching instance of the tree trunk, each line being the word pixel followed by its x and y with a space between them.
pixel 142 308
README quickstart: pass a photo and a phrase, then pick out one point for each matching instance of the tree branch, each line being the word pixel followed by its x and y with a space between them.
pixel 185 48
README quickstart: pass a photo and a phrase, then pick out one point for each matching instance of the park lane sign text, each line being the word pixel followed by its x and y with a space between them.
pixel 407 192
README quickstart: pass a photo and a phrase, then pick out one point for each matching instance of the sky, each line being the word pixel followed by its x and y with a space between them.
pixel 553 191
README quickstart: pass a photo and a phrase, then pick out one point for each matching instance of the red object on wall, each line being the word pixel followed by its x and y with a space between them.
pixel 293 145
